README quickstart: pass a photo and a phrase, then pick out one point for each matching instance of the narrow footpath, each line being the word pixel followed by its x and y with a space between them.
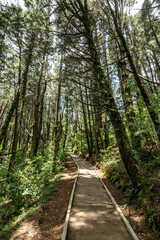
pixel 93 216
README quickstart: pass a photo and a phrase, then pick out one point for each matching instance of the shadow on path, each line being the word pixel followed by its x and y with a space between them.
pixel 93 217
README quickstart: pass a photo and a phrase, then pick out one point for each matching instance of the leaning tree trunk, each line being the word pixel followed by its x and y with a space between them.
pixel 14 105
pixel 152 113
pixel 130 162
pixel 128 103
pixel 2 111
pixel 6 123
pixel 22 93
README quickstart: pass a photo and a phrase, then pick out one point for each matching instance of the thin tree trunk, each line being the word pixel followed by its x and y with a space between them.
pixel 8 118
pixel 66 126
pixel 105 131
pixel 89 120
pixel 38 110
pixel 42 108
pixel 152 113
pixel 57 126
pixel 85 124
pixel 22 93
pixel 125 149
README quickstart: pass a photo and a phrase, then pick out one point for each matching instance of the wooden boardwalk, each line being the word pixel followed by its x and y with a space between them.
pixel 93 216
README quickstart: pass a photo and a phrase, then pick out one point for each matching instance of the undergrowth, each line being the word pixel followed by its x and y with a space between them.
pixel 113 168
pixel 30 183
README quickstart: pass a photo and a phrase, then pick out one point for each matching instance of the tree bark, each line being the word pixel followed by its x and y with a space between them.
pixel 152 113
pixel 8 118
pixel 66 124
pixel 38 109
pixel 58 125
pixel 125 149
pixel 22 93
pixel 85 124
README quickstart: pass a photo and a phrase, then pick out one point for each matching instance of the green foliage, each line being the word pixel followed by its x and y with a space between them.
pixel 106 154
pixel 30 182
pixel 113 168
pixel 63 155
pixel 3 182
pixel 156 161
pixel 152 216
pixel 77 143
pixel 150 163
pixel 23 187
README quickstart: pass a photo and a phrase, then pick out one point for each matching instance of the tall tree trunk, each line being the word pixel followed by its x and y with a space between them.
pixel 48 123
pixel 38 109
pixel 2 111
pixel 66 120
pixel 8 118
pixel 128 103
pixel 157 64
pixel 58 125
pixel 19 110
pixel 152 113
pixel 85 123
pixel 125 149
pixel 89 119
pixel 105 131
pixel 42 106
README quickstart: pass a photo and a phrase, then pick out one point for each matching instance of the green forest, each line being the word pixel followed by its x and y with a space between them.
pixel 80 76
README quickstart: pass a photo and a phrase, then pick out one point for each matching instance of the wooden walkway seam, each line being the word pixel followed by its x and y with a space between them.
pixel 123 218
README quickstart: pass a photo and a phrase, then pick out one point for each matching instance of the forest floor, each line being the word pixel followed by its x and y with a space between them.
pixel 135 214
pixel 47 222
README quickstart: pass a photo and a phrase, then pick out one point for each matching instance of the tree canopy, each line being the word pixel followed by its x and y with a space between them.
pixel 82 75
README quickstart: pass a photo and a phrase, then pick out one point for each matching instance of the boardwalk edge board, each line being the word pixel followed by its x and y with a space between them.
pixel 124 219
pixel 64 233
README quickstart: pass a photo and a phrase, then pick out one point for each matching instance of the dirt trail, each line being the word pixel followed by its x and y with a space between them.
pixel 93 216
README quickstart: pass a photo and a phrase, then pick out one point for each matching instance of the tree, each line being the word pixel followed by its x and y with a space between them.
pixel 81 24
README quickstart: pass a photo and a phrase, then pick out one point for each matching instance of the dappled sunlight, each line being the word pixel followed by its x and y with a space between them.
pixel 93 215
pixel 87 176
pixel 81 76
pixel 27 230
pixel 96 214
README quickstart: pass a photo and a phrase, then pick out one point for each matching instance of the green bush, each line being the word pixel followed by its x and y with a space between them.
pixel 26 182
pixel 3 183
pixel 153 219
pixel 63 155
